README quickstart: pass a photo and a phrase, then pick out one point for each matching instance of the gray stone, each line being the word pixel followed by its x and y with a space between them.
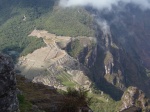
pixel 8 96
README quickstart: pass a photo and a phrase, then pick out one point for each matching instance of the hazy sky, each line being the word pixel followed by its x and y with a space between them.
pixel 100 4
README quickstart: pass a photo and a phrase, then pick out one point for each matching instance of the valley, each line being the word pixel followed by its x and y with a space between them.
pixel 67 48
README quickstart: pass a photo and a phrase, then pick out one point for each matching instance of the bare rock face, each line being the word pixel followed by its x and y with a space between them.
pixel 8 97
pixel 134 98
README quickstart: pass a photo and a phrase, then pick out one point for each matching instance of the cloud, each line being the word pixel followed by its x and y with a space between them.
pixel 101 4
pixel 104 26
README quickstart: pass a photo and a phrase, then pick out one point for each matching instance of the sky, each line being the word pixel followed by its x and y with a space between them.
pixel 101 4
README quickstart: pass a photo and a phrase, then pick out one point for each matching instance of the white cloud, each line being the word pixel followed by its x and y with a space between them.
pixel 100 4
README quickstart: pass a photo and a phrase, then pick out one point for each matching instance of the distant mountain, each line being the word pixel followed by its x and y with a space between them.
pixel 105 51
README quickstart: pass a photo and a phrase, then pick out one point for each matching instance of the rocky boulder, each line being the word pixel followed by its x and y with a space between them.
pixel 8 96
pixel 134 98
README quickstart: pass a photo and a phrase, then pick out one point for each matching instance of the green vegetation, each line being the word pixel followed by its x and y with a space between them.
pixel 34 94
pixel 14 32
pixel 76 99
pixel 101 102
pixel 45 98
pixel 20 17
pixel 100 106
pixel 35 44
pixel 74 48
pixel 65 79
pixel 24 106
pixel 67 22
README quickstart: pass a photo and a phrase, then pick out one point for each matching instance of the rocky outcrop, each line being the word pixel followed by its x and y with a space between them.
pixel 84 49
pixel 134 98
pixel 8 95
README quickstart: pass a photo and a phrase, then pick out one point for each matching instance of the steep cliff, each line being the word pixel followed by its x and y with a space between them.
pixel 8 92
pixel 122 48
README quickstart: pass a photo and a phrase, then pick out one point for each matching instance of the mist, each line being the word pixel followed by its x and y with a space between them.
pixel 101 4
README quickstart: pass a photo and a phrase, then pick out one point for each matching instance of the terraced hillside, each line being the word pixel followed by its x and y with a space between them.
pixel 53 66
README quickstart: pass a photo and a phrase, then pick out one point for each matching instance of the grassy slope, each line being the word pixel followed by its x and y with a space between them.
pixel 102 102
pixel 45 98
pixel 65 79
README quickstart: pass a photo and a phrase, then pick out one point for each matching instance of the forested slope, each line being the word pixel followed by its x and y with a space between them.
pixel 20 17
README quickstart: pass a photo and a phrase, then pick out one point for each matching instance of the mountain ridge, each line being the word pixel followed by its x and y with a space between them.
pixel 116 59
